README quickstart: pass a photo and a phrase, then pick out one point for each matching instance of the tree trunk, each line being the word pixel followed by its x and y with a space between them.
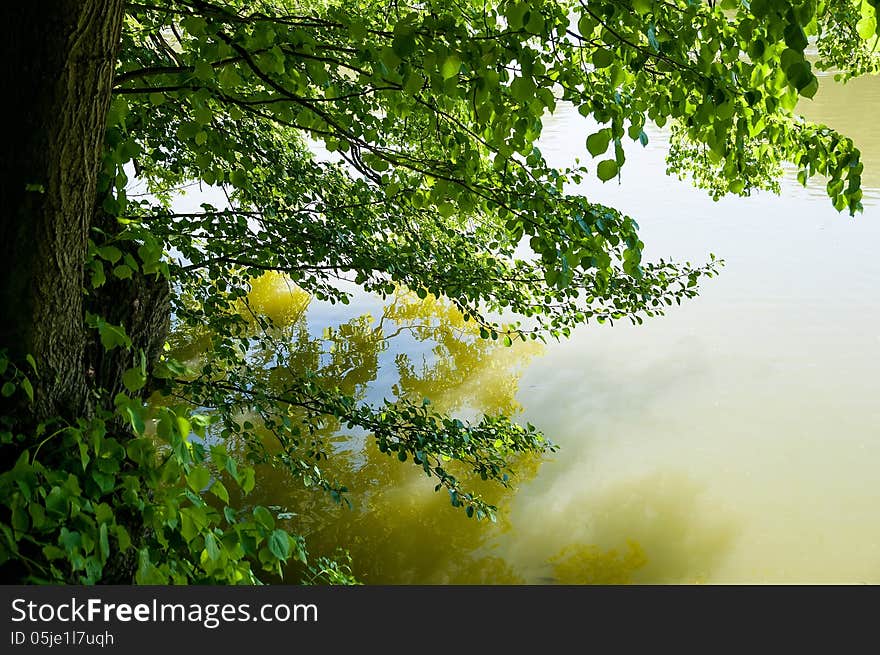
pixel 141 304
pixel 59 59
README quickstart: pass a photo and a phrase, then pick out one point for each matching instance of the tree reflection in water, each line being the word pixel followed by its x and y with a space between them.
pixel 396 528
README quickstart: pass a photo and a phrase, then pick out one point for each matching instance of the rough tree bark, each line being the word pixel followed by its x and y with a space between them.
pixel 141 304
pixel 57 79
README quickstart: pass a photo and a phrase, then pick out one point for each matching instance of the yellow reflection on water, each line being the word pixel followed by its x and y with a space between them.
pixel 464 370
pixel 398 529
pixel 274 295
pixel 653 529
pixel 576 564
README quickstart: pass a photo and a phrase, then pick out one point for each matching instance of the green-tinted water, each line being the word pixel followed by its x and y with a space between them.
pixel 735 440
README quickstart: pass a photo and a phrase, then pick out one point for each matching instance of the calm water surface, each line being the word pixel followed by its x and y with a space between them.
pixel 735 440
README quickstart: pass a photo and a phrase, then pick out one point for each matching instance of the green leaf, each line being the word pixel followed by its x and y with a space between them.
pixel 446 209
pixel 53 553
pixel 57 502
pixel 84 458
pixel 643 6
pixel 279 544
pixel 134 414
pixel 606 169
pixel 98 276
pixel 598 143
pixel 71 540
pixel 264 517
pixel 147 572
pixel 122 538
pixel 133 379
pixel 112 336
pixel 104 542
pixel 809 91
pixel 27 388
pixel 194 24
pixel 356 29
pixel 111 253
pixel 229 77
pixel 7 390
pixel 123 272
pixel 586 24
pixel 238 178
pixel 203 70
pixel 867 27
pixel 247 480
pixel 403 45
pixel 790 57
pixel 219 490
pixel 800 75
pixel 189 530
pixel 795 37
pixel 20 520
pixel 725 110
pixel 389 58
pixel 602 58
pixel 103 513
pixel 183 426
pixel 515 13
pixel 203 115
pixel 212 547
pixel 198 478
pixel 451 66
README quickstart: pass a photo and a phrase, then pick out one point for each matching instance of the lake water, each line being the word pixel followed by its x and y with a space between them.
pixel 735 440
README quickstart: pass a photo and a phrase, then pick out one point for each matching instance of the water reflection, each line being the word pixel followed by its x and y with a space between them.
pixel 762 391
pixel 577 564
pixel 655 529
pixel 397 528
pixel 734 440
